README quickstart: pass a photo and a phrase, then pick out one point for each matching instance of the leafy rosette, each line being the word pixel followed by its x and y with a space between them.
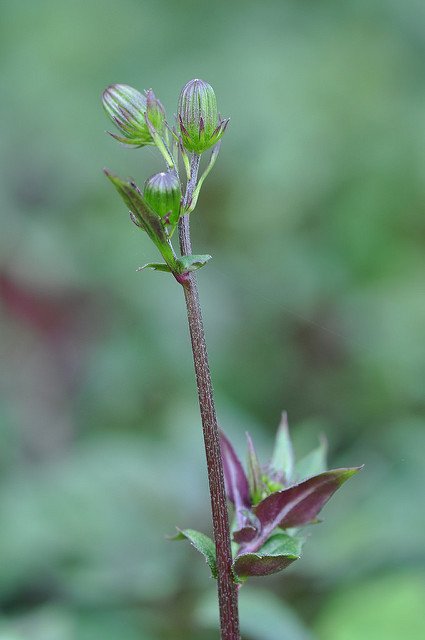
pixel 273 502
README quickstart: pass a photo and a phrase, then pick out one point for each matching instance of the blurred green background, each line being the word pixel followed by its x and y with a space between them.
pixel 314 302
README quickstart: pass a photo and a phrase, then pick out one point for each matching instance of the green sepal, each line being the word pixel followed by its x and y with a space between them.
pixel 278 552
pixel 256 485
pixel 146 217
pixel 191 263
pixel 314 463
pixel 283 455
pixel 211 163
pixel 156 266
pixel 202 543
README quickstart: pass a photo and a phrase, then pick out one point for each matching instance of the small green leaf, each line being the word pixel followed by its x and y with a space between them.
pixel 282 543
pixel 254 473
pixel 145 216
pixel 314 462
pixel 156 266
pixel 202 543
pixel 276 554
pixel 283 456
pixel 192 263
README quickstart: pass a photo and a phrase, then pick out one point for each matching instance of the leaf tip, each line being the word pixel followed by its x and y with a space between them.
pixel 344 474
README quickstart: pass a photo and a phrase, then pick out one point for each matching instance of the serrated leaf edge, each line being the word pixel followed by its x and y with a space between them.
pixel 210 558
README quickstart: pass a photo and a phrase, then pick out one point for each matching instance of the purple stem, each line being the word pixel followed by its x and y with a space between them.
pixel 227 590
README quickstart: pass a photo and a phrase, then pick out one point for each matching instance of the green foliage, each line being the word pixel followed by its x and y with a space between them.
pixel 203 544
pixel 268 500
pixel 156 266
pixel 192 263
pixel 145 217
pixel 283 460
pixel 278 552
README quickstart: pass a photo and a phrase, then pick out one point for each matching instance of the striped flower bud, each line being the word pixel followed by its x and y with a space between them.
pixel 200 124
pixel 163 193
pixel 127 108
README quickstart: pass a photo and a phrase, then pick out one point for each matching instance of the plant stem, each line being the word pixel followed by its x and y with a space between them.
pixel 227 590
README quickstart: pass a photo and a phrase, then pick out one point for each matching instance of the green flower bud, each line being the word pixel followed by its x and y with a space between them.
pixel 200 124
pixel 163 193
pixel 128 109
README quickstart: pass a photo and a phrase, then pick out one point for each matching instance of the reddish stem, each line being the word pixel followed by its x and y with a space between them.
pixel 227 589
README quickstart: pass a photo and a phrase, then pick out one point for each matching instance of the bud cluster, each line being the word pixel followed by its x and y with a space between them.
pixel 141 121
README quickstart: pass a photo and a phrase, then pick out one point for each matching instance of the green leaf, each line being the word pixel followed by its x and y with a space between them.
pixel 191 263
pixel 156 266
pixel 202 543
pixel 283 455
pixel 146 217
pixel 254 472
pixel 279 551
pixel 314 462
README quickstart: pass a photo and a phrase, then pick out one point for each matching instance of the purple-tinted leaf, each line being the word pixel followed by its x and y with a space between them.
pixel 276 554
pixel 246 534
pixel 282 461
pixel 252 564
pixel 236 481
pixel 250 529
pixel 254 472
pixel 301 503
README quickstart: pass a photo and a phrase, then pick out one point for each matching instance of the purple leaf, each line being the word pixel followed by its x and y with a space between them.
pixel 301 503
pixel 276 554
pixel 246 534
pixel 253 564
pixel 250 529
pixel 236 481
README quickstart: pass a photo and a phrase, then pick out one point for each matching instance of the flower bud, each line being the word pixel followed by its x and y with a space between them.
pixel 200 124
pixel 163 193
pixel 127 109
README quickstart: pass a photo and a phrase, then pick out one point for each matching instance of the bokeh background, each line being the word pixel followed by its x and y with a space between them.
pixel 314 303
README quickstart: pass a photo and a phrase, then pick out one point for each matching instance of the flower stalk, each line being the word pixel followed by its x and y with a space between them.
pixel 227 589
pixel 270 503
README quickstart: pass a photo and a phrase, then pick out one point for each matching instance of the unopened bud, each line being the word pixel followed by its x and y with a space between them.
pixel 127 109
pixel 163 193
pixel 200 124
